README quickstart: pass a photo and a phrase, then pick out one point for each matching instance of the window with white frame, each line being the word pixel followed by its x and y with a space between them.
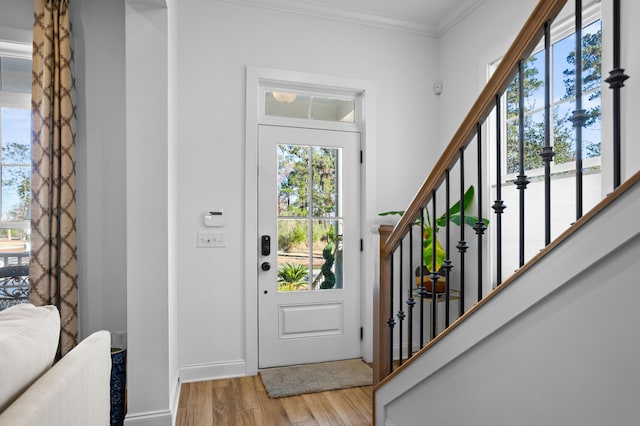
pixel 15 159
pixel 563 103
pixel 563 139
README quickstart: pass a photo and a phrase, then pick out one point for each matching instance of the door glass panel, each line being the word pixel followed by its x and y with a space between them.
pixel 293 254
pixel 293 180
pixel 309 227
pixel 325 182
pixel 327 254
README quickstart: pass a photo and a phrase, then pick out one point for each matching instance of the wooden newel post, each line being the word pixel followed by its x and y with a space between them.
pixel 382 313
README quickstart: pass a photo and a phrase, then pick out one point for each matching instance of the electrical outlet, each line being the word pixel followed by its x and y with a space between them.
pixel 211 239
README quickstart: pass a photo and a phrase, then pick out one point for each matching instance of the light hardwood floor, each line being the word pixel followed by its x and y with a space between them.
pixel 244 401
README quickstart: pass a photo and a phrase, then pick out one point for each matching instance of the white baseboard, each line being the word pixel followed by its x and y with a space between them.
pixel 223 370
pixel 152 418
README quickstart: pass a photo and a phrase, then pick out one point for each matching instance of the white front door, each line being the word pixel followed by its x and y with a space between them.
pixel 309 248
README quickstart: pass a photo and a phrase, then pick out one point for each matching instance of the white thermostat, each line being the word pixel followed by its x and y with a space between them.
pixel 214 219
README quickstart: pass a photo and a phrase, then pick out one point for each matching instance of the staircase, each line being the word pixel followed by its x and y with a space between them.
pixel 555 342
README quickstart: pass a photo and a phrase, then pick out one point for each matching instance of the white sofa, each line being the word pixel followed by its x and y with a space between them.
pixel 74 391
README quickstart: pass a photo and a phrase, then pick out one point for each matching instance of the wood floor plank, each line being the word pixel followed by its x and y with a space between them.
pixel 245 395
pixel 272 411
pixel 322 410
pixel 199 406
pixel 222 403
pixel 350 405
pixel 297 409
pixel 183 404
pixel 245 402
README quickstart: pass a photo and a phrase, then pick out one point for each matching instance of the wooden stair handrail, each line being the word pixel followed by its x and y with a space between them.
pixel 521 48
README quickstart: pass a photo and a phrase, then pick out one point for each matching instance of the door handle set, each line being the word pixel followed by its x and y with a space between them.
pixel 265 250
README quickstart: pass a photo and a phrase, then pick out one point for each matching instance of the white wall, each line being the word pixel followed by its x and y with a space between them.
pixel 99 41
pixel 16 18
pixel 217 40
pixel 466 50
pixel 150 206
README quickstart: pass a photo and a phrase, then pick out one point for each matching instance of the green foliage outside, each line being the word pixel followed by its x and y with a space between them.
pixel 307 210
pixel 293 234
pixel 304 169
pixel 292 276
pixel 334 244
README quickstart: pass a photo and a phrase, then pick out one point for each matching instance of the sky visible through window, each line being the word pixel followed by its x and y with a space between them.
pixel 16 158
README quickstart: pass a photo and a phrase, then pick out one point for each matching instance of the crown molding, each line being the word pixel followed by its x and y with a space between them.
pixel 336 14
pixel 311 8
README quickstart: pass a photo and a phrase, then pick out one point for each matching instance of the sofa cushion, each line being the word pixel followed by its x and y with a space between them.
pixel 74 392
pixel 28 343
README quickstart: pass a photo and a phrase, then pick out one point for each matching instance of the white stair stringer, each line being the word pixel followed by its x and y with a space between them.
pixel 559 346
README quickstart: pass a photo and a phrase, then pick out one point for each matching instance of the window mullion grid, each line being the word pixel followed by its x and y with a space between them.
pixel 310 218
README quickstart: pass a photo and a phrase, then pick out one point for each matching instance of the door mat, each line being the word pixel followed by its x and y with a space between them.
pixel 309 378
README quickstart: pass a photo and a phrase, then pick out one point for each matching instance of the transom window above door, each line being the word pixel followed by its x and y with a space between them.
pixel 295 105
pixel 304 108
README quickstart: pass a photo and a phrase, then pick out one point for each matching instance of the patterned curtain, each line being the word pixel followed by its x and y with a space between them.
pixel 53 270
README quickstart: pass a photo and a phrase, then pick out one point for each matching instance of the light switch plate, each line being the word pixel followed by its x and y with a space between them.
pixel 211 239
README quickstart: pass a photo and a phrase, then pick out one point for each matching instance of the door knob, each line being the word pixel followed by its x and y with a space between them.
pixel 265 266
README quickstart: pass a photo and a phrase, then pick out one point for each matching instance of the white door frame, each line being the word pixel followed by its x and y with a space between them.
pixel 255 78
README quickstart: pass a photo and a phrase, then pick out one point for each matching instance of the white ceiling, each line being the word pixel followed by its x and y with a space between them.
pixel 426 17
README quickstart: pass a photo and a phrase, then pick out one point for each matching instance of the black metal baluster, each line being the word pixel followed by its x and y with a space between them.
pixel 401 314
pixel 391 322
pixel 547 151
pixel 579 116
pixel 447 265
pixel 462 244
pixel 498 205
pixel 479 226
pixel 616 81
pixel 410 301
pixel 435 274
pixel 421 291
pixel 521 180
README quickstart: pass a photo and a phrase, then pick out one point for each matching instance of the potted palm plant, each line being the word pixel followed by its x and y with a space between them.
pixel 430 240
